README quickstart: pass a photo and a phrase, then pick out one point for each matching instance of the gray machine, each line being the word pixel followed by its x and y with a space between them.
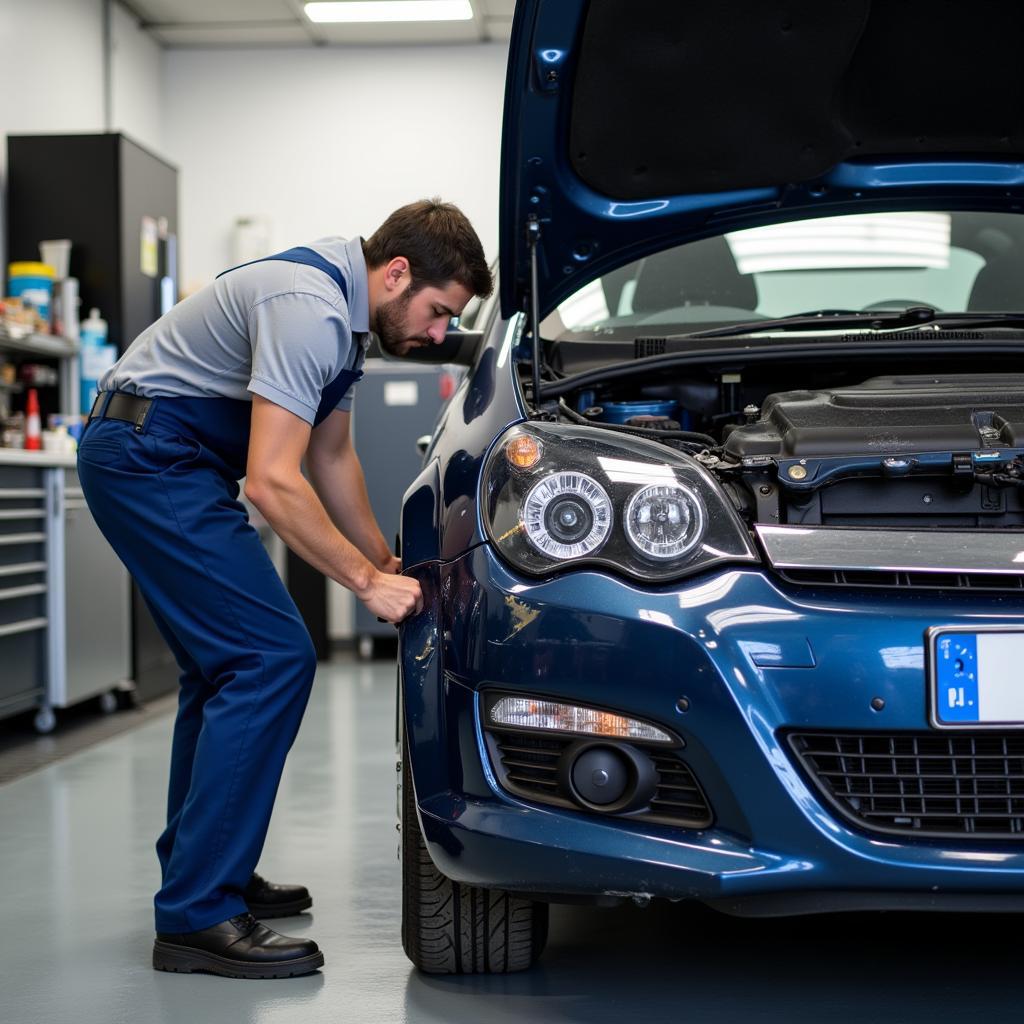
pixel 396 403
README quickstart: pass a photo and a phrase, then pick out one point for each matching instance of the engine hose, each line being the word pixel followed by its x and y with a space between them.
pixel 998 480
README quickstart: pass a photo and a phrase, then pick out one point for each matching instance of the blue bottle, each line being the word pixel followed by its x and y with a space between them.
pixel 96 356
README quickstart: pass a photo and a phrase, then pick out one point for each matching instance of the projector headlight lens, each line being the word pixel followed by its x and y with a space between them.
pixel 567 515
pixel 664 521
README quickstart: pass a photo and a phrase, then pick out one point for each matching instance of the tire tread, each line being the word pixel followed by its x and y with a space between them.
pixel 451 928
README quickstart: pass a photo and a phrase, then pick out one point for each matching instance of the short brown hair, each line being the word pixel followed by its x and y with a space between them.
pixel 439 243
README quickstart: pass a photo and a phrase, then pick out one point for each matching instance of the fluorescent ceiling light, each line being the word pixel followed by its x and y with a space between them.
pixel 872 240
pixel 389 10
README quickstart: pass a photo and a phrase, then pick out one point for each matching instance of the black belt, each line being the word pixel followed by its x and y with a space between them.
pixel 122 406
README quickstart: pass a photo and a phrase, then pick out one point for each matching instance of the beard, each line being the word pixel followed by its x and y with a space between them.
pixel 391 325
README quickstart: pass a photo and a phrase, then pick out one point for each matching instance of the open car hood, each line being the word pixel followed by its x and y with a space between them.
pixel 634 125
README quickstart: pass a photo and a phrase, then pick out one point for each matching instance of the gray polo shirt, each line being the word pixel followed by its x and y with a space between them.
pixel 276 329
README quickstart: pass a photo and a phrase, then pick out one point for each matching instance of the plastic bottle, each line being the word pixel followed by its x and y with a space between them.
pixel 97 356
pixel 94 330
pixel 33 427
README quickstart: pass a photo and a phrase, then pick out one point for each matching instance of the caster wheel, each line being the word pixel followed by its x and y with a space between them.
pixel 108 702
pixel 45 721
pixel 365 648
pixel 126 699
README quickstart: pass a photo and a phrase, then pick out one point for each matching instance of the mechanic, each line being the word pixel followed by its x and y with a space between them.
pixel 246 378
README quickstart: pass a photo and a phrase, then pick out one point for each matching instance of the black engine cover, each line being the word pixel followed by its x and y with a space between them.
pixel 839 442
pixel 917 413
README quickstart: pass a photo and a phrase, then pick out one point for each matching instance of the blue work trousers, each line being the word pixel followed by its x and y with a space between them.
pixel 165 495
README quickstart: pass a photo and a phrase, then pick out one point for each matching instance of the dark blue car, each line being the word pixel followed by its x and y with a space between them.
pixel 722 536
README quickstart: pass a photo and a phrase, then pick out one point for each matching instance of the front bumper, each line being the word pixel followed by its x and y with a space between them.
pixel 754 659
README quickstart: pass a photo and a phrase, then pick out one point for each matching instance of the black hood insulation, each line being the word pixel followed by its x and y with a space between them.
pixel 739 94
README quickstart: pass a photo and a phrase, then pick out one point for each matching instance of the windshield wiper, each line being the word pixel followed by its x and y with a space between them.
pixel 872 320
pixel 828 320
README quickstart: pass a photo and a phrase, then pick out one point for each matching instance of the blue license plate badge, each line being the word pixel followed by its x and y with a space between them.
pixel 976 677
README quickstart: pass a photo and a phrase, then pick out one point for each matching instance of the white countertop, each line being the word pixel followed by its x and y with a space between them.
pixel 19 457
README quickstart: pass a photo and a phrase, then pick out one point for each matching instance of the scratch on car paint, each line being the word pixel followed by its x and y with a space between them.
pixel 641 899
pixel 522 613
pixel 428 649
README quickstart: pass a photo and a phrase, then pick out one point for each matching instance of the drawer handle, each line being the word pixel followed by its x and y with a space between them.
pixel 22 538
pixel 25 626
pixel 22 513
pixel 10 593
pixel 22 492
pixel 22 568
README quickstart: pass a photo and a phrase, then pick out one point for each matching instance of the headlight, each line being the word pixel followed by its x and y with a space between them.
pixel 565 496
pixel 567 515
pixel 664 521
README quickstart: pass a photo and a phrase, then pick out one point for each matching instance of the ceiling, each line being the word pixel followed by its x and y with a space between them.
pixel 192 23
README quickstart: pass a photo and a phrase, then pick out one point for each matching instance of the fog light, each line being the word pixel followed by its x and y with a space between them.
pixel 613 778
pixel 529 713
pixel 600 776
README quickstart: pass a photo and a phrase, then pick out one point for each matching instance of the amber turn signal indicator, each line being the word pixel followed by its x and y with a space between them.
pixel 523 452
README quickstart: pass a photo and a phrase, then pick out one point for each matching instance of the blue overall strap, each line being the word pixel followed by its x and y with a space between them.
pixel 333 393
pixel 301 254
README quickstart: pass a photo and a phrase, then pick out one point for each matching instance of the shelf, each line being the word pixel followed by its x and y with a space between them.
pixel 39 344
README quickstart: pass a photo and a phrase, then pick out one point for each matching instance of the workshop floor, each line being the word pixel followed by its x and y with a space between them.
pixel 77 871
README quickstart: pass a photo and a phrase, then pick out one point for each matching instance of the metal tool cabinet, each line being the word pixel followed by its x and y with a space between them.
pixel 24 587
pixel 64 596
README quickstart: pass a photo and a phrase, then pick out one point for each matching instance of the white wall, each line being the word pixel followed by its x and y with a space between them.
pixel 52 71
pixel 328 141
pixel 136 106
pixel 52 75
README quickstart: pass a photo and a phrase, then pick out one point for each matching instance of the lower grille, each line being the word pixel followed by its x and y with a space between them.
pixel 921 784
pixel 891 579
pixel 527 765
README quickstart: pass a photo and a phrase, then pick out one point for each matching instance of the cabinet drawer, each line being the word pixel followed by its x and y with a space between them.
pixel 21 654
pixel 22 523
pixel 21 604
pixel 21 476
pixel 20 549
pixel 23 583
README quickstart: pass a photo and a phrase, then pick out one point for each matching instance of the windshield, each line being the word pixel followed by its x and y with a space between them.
pixel 951 261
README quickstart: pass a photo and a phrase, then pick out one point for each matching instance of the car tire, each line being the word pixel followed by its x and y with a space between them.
pixel 450 928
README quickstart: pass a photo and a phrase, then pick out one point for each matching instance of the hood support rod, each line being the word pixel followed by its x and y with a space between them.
pixel 532 238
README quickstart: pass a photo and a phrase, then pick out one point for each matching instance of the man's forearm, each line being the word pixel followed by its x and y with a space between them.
pixel 297 516
pixel 340 484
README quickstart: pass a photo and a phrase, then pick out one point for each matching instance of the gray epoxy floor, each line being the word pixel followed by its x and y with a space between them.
pixel 77 871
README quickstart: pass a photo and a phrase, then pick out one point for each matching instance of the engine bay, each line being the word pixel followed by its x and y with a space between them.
pixel 833 448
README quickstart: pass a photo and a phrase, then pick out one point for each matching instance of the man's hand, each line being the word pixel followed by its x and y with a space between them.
pixel 392 598
pixel 392 565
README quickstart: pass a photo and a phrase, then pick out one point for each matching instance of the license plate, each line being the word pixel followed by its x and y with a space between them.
pixel 976 677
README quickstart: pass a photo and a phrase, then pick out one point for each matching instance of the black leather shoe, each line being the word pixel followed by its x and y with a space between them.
pixel 238 948
pixel 265 899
